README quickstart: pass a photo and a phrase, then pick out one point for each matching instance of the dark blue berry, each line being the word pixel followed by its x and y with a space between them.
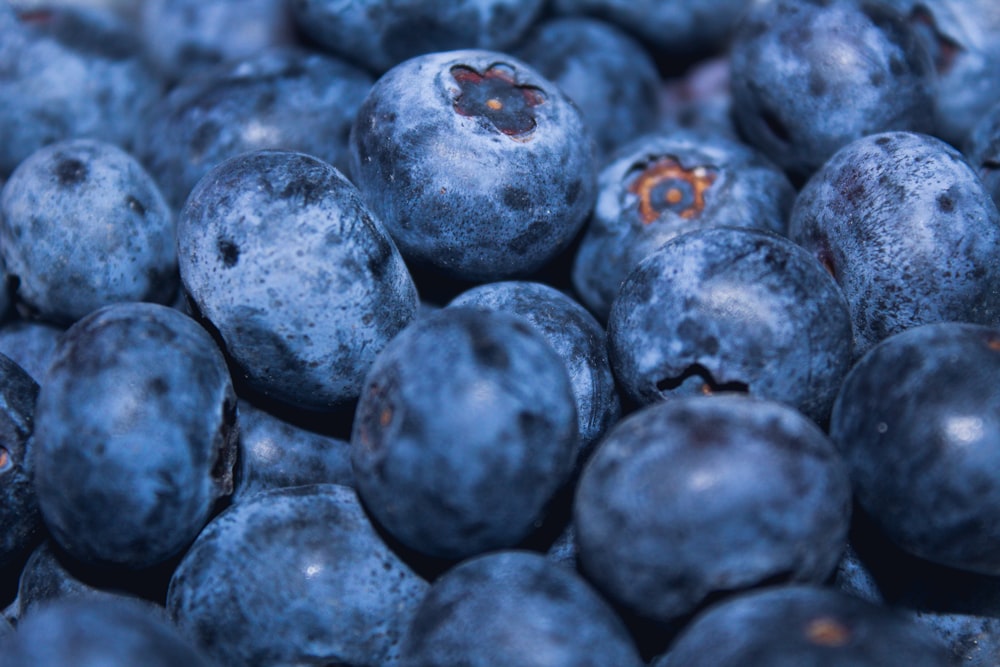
pixel 294 576
pixel 135 435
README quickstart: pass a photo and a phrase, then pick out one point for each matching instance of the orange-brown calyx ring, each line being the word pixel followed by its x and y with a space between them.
pixel 665 185
pixel 826 631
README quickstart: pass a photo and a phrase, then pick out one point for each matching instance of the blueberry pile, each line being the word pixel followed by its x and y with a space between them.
pixel 551 333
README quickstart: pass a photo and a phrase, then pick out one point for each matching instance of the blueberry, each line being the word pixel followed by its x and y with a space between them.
pixel 664 184
pixel 135 435
pixel 30 344
pixel 278 99
pixel 45 578
pixel 479 167
pixel 274 453
pixel 68 72
pixel 982 148
pixel 701 497
pixel 790 626
pixel 465 429
pixel 963 37
pixel 809 77
pixel 20 520
pixel 578 338
pixel 72 202
pixel 731 309
pixel 515 608
pixel 916 419
pixel 907 229
pixel 700 99
pixel 294 576
pixel 379 35
pixel 282 257
pixel 109 631
pixel 679 27
pixel 181 37
pixel 595 62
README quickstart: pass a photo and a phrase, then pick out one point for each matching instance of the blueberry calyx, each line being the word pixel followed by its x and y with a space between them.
pixel 665 185
pixel 497 97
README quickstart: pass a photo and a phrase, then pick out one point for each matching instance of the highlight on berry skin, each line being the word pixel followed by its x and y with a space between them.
pixel 665 185
pixel 497 97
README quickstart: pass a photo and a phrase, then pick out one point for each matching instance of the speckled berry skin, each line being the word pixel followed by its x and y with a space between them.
pixel 135 435
pixel 379 34
pixel 284 99
pixel 20 520
pixel 479 167
pixel 278 251
pixel 574 334
pixel 907 229
pixel 791 626
pixel 466 427
pixel 472 614
pixel 274 454
pixel 76 200
pixel 809 77
pixel 68 72
pixel 663 184
pixel 293 577
pixel 606 71
pixel 109 631
pixel 703 496
pixel 731 309
pixel 679 26
pixel 917 420
pixel 182 37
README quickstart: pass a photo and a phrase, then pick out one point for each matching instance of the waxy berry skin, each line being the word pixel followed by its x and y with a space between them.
pixel 731 308
pixel 302 282
pixel 515 608
pixel 678 26
pixel 294 576
pixel 65 73
pixel 606 71
pixel 182 37
pixel 663 184
pixel 75 200
pixel 377 34
pixel 479 167
pixel 20 519
pixel 135 435
pixel 464 431
pixel 704 496
pixel 808 77
pixel 909 232
pixel 792 626
pixel 917 420
pixel 574 333
pixel 106 631
pixel 279 98
pixel 275 454
pixel 982 148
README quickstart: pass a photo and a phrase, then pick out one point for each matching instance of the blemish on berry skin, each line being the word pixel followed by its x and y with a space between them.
pixel 825 631
pixel 229 252
pixel 993 344
pixel 5 460
pixel 497 97
pixel 665 185
pixel 70 171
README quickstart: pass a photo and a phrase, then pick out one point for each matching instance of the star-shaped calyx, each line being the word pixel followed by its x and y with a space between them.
pixel 496 96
